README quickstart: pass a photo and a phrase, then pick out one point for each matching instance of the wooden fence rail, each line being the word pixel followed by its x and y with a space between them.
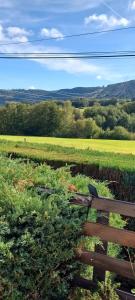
pixel 110 234
pixel 106 263
pixel 99 258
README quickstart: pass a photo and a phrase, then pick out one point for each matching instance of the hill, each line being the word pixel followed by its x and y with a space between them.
pixel 123 90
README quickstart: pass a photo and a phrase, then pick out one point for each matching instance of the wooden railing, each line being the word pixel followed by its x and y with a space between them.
pixel 101 229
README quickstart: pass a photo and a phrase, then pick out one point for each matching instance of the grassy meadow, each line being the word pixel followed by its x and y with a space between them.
pixel 116 146
pixel 48 152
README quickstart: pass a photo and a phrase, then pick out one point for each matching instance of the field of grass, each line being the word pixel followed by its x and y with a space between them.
pixel 43 152
pixel 127 147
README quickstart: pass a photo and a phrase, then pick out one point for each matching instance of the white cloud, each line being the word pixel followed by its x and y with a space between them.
pixel 104 21
pixel 132 5
pixel 64 6
pixel 71 66
pixel 20 39
pixel 51 33
pixel 2 36
pixel 51 5
pixel 17 31
pixel 32 11
pixel 71 5
pixel 31 87
pixel 13 34
pixel 99 77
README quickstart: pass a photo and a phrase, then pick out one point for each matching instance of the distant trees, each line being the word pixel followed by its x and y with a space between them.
pixel 50 118
pixel 13 118
pixel 86 128
pixel 44 119
pixel 67 120
pixel 118 133
pixel 111 116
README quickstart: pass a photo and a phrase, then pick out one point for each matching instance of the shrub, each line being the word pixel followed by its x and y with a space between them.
pixel 86 128
pixel 38 234
pixel 120 133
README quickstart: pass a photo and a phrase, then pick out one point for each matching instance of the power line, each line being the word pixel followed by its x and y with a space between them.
pixel 86 56
pixel 69 53
pixel 69 36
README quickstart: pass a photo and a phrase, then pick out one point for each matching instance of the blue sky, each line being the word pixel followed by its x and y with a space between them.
pixel 24 20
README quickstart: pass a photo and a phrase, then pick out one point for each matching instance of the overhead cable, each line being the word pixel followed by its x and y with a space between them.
pixel 69 36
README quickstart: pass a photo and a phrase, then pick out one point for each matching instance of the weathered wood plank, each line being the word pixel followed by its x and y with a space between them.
pixel 124 295
pixel 108 205
pixel 107 263
pixel 110 234
pixel 115 206
pixel 80 199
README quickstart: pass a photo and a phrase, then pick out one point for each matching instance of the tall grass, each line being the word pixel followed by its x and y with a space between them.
pixel 42 152
pixel 116 146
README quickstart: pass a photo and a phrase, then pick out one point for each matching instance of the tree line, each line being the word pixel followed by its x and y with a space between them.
pixel 49 118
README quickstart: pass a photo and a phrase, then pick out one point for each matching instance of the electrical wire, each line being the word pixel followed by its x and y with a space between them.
pixel 69 36
pixel 70 53
pixel 69 56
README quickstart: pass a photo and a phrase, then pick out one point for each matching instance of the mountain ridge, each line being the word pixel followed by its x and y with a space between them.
pixel 122 90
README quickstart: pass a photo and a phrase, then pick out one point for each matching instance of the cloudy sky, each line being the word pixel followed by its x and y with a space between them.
pixel 22 21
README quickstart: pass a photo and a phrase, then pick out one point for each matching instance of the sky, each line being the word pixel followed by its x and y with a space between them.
pixel 22 21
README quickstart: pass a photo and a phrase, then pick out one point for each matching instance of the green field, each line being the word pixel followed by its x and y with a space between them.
pixel 127 147
pixel 47 152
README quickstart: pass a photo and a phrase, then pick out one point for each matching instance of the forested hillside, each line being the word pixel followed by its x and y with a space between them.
pixel 50 118
pixel 124 90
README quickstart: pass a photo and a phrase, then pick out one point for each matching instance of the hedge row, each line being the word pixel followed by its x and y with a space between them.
pixel 38 234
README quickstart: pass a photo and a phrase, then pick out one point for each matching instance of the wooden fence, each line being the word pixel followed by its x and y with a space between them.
pixel 99 259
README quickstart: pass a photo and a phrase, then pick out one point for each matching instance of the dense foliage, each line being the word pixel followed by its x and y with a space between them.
pixel 37 240
pixel 38 234
pixel 114 121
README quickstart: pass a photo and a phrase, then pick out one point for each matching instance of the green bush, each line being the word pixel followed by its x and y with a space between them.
pixel 119 133
pixel 38 234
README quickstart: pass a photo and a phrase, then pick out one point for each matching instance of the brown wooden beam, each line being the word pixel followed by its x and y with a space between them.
pixel 104 204
pixel 110 234
pixel 115 206
pixel 103 262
